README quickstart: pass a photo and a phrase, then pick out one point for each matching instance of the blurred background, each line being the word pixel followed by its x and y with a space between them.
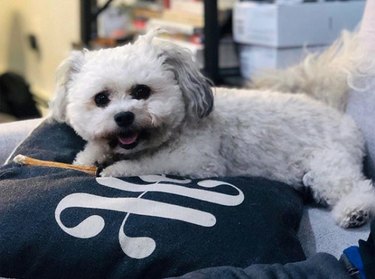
pixel 230 40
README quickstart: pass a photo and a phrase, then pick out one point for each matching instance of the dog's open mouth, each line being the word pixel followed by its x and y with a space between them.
pixel 128 140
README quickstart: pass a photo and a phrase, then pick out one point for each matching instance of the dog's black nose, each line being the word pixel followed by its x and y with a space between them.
pixel 124 119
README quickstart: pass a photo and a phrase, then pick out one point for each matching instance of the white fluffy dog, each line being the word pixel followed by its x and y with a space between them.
pixel 147 108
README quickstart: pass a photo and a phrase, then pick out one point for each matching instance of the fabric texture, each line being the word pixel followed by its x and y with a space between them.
pixel 367 250
pixel 58 223
pixel 320 266
pixel 352 259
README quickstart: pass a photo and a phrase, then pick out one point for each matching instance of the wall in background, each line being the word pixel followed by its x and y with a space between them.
pixel 54 23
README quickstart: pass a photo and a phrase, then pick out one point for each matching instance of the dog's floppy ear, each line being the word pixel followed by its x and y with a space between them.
pixel 195 87
pixel 64 74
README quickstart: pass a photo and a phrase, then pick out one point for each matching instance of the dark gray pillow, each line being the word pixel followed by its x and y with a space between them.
pixel 58 223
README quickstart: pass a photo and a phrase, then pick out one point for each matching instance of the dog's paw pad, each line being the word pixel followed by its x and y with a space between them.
pixel 358 218
pixel 350 217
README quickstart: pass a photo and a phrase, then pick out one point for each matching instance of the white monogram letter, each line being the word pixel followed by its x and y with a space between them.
pixel 141 247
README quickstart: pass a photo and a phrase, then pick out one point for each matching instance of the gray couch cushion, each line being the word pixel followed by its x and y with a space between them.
pixel 12 134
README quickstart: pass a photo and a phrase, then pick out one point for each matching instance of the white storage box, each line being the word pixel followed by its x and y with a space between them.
pixel 284 25
pixel 254 59
pixel 228 57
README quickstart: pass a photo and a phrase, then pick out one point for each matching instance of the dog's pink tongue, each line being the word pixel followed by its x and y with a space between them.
pixel 129 139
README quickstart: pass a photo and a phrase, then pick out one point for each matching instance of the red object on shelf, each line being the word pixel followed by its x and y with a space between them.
pixel 166 4
pixel 139 24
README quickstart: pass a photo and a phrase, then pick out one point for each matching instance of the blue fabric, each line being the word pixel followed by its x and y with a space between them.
pixel 354 256
pixel 58 223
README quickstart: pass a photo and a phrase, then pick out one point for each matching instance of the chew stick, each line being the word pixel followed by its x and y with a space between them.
pixel 25 160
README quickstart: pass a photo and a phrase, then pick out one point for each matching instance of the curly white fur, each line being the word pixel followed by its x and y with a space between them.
pixel 286 137
pixel 328 76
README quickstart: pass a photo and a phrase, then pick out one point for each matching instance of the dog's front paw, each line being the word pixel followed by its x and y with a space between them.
pixel 92 154
pixel 84 159
pixel 106 172
pixel 116 170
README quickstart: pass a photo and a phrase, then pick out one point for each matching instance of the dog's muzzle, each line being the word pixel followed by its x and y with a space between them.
pixel 126 137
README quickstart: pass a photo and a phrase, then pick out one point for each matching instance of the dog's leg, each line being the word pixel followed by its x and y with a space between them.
pixel 125 168
pixel 92 153
pixel 336 179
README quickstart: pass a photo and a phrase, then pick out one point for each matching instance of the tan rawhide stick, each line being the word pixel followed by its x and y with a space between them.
pixel 25 160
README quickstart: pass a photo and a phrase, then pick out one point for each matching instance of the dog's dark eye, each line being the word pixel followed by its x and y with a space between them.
pixel 140 91
pixel 102 99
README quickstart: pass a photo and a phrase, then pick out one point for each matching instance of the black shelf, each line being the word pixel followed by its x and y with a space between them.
pixel 229 77
pixel 211 41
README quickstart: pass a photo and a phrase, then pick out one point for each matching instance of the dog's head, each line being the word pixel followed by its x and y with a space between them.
pixel 132 97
